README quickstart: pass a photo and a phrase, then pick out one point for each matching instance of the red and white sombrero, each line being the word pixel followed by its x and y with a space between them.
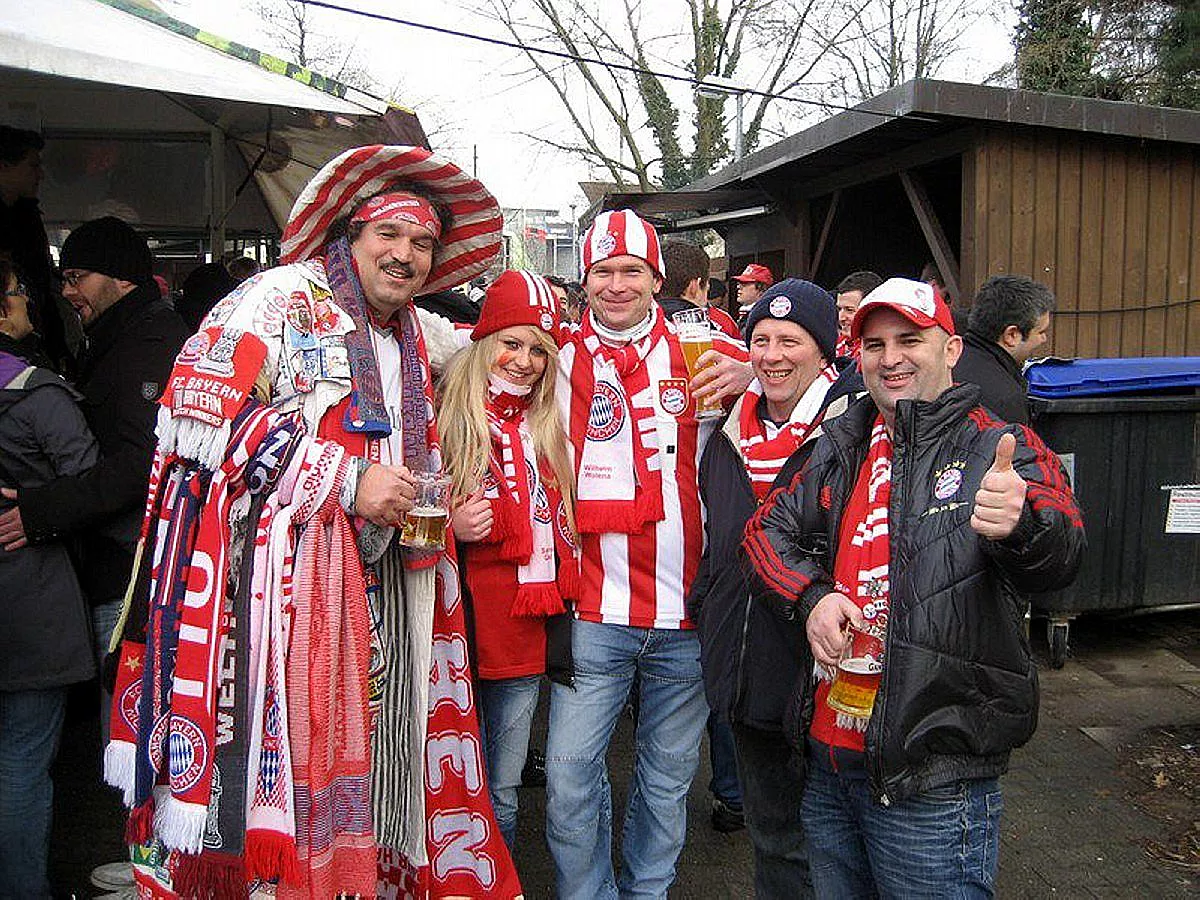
pixel 466 249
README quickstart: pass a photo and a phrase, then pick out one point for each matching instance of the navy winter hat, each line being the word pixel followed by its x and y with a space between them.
pixel 808 305
pixel 111 247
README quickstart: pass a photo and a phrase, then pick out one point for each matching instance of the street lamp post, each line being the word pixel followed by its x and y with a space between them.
pixel 715 87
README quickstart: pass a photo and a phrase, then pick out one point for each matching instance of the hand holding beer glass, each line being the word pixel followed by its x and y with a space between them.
pixel 695 339
pixel 424 525
pixel 860 669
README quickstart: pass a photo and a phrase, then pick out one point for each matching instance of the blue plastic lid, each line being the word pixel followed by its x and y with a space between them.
pixel 1053 377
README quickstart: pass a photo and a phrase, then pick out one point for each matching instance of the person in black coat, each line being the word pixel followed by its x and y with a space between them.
pixel 1009 321
pixel 750 656
pixel 44 632
pixel 132 338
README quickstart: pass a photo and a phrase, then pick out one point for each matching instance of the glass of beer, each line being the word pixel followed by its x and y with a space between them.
pixel 695 339
pixel 424 525
pixel 856 679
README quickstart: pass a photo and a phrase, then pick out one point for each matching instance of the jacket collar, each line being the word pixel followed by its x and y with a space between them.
pixel 1002 356
pixel 917 421
pixel 110 323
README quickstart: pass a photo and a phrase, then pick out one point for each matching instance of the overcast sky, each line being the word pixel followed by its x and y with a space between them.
pixel 473 96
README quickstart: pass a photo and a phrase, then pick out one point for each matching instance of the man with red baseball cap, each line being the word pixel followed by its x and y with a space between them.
pixel 629 410
pixel 751 284
pixel 907 547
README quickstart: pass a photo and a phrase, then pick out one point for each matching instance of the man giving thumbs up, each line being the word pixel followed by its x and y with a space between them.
pixel 905 547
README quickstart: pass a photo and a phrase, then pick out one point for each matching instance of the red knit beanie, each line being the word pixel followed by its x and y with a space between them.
pixel 517 298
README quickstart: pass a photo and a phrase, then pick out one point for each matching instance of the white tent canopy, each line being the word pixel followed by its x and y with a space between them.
pixel 146 118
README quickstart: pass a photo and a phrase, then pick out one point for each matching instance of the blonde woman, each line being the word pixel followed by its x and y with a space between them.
pixel 506 455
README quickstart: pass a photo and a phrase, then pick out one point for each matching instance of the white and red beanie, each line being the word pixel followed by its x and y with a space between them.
pixel 621 233
pixel 517 298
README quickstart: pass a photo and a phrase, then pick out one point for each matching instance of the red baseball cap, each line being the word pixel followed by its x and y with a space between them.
pixel 915 300
pixel 756 274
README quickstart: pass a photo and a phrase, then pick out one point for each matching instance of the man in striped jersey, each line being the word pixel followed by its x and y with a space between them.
pixel 629 409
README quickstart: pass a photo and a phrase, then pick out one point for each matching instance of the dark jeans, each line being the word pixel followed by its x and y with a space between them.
pixel 772 788
pixel 30 727
pixel 723 756
pixel 942 843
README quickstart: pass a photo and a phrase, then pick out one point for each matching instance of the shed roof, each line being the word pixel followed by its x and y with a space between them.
pixel 922 110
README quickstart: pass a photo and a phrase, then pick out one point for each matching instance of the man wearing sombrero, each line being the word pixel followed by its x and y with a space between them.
pixel 297 707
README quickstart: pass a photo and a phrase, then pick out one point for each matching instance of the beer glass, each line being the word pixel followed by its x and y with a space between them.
pixel 695 338
pixel 424 525
pixel 856 679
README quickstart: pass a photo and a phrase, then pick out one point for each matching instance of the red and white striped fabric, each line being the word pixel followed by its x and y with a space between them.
pixel 465 250
pixel 621 233
pixel 641 579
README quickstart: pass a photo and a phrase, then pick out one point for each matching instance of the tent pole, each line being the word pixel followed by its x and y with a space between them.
pixel 216 207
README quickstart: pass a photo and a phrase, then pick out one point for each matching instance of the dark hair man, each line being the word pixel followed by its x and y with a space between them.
pixel 1008 322
pixel 850 292
pixel 686 284
pixel 23 236
pixel 920 523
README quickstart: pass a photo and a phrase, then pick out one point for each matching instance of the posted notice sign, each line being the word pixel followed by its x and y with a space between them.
pixel 1183 509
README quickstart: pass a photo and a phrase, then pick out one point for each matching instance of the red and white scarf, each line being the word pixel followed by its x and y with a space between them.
pixel 525 506
pixel 846 348
pixel 765 447
pixel 612 422
pixel 860 571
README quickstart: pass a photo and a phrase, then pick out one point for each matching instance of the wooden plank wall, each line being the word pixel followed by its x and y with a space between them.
pixel 1111 225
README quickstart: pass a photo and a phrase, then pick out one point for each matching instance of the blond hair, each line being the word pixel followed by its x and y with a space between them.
pixel 463 425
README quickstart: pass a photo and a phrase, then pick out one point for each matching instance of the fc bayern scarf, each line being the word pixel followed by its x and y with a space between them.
pixel 764 447
pixel 860 571
pixel 524 505
pixel 612 421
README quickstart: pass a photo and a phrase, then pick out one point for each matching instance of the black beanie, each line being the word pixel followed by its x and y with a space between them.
pixel 808 305
pixel 110 247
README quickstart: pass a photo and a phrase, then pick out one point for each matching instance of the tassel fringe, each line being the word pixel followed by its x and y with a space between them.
pixel 139 827
pixel 180 825
pixel 271 856
pixel 211 876
pixel 120 760
pixel 537 600
pixel 192 439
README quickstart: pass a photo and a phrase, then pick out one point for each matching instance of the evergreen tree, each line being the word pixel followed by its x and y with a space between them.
pixel 1054 47
pixel 1179 56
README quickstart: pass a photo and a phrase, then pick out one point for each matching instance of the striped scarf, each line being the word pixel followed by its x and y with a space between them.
pixel 612 424
pixel 766 447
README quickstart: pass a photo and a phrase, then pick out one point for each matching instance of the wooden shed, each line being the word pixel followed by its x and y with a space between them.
pixel 1097 199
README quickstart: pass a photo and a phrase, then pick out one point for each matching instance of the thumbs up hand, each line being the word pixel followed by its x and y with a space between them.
pixel 1001 494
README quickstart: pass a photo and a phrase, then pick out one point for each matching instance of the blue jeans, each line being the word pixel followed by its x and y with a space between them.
pixel 505 716
pixel 723 756
pixel 942 843
pixel 578 796
pixel 772 786
pixel 104 620
pixel 30 727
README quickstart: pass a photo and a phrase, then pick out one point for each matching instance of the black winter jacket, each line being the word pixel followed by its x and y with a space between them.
pixel 131 348
pixel 750 654
pixel 1002 387
pixel 45 634
pixel 959 688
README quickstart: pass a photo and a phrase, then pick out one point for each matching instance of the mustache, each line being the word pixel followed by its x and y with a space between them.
pixel 396 267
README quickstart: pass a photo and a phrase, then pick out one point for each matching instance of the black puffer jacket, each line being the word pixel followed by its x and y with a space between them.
pixel 959 688
pixel 1002 387
pixel 131 348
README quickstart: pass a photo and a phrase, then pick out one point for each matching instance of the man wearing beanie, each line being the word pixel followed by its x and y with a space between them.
pixel 132 338
pixel 629 411
pixel 905 549
pixel 750 656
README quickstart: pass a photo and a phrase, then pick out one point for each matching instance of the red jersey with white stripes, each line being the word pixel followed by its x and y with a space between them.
pixel 640 578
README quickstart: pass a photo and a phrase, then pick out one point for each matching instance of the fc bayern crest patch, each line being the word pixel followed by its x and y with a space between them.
pixel 607 413
pixel 947 483
pixel 547 321
pixel 780 307
pixel 673 395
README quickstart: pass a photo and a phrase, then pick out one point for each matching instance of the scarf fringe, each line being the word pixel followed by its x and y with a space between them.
pixel 568 579
pixel 515 543
pixel 852 723
pixel 600 516
pixel 210 876
pixel 139 827
pixel 180 825
pixel 120 763
pixel 192 439
pixel 649 505
pixel 271 856
pixel 537 600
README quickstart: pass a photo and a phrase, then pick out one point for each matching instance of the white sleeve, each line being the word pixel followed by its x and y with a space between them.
pixel 442 337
